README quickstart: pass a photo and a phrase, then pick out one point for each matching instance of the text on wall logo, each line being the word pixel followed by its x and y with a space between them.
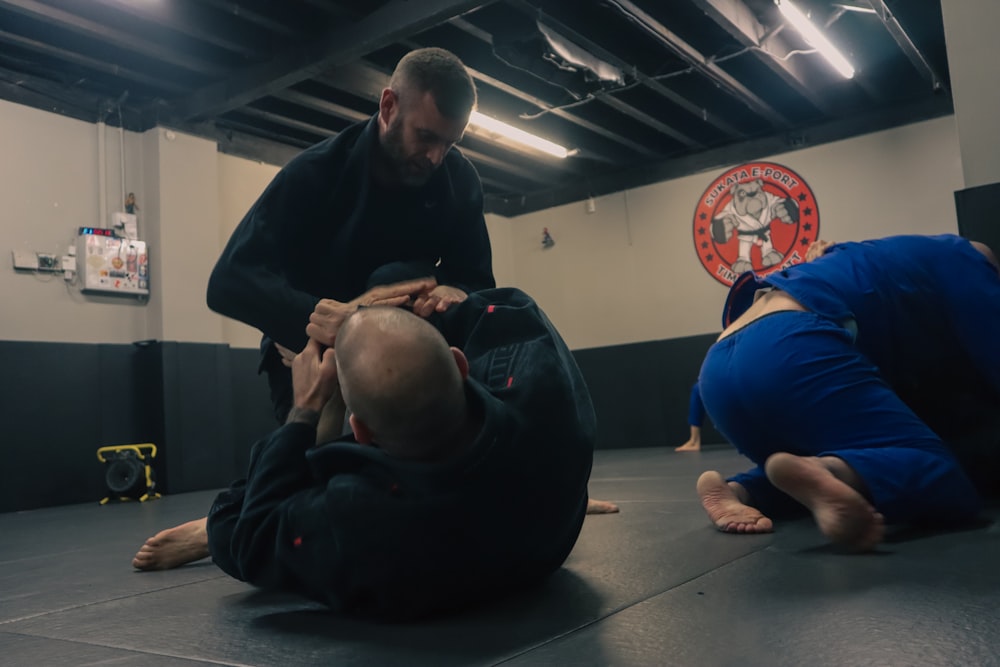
pixel 759 217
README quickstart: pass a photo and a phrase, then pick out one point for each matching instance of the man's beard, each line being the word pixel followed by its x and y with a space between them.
pixel 395 155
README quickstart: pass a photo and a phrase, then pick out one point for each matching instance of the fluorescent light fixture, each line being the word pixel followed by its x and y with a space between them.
pixel 815 38
pixel 494 126
pixel 856 8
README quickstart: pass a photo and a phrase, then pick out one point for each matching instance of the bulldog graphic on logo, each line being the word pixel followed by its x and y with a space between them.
pixel 757 217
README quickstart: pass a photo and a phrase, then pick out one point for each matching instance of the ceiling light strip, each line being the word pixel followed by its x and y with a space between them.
pixel 495 126
pixel 815 38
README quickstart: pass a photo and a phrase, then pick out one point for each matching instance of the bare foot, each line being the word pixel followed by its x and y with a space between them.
pixel 726 510
pixel 174 547
pixel 601 507
pixel 688 447
pixel 841 512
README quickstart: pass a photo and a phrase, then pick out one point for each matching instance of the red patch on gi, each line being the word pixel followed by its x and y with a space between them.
pixel 297 542
pixel 490 309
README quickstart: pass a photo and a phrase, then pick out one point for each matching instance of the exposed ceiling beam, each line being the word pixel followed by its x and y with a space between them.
pixel 367 81
pixel 156 83
pixel 281 119
pixel 503 179
pixel 253 148
pixel 726 156
pixel 596 128
pixel 327 7
pixel 704 65
pixel 560 113
pixel 386 25
pixel 241 11
pixel 185 18
pixel 510 90
pixel 247 127
pixel 241 144
pixel 478 156
pixel 321 105
pixel 905 43
pixel 472 29
pixel 648 81
pixel 737 19
pixel 122 40
pixel 38 94
pixel 511 183
pixel 532 175
pixel 66 99
pixel 361 79
pixel 646 119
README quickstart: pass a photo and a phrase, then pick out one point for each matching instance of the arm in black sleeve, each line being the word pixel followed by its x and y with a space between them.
pixel 468 260
pixel 250 282
pixel 266 537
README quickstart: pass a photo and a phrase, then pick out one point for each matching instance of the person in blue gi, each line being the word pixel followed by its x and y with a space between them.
pixel 465 475
pixel 829 374
pixel 696 419
pixel 696 407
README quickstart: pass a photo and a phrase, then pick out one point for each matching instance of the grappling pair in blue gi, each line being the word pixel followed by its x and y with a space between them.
pixel 892 365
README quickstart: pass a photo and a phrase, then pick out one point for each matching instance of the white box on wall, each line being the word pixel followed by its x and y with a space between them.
pixel 110 264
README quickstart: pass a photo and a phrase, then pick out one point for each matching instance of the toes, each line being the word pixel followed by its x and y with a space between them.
pixel 747 527
pixel 731 527
pixel 601 507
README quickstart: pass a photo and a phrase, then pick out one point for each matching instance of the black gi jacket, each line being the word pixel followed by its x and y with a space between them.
pixel 314 233
pixel 367 534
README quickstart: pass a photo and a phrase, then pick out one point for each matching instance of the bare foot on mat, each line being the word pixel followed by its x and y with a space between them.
pixel 174 547
pixel 841 512
pixel 726 510
pixel 601 507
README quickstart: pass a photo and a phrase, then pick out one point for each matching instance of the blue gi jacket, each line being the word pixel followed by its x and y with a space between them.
pixel 896 295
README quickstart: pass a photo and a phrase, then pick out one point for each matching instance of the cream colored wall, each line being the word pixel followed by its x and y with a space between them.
pixel 629 272
pixel 970 30
pixel 188 242
pixel 190 198
pixel 150 231
pixel 626 273
pixel 50 186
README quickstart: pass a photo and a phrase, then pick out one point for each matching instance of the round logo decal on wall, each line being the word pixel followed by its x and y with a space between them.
pixel 758 217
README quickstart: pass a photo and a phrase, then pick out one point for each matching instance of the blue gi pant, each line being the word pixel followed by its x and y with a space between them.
pixel 696 409
pixel 795 382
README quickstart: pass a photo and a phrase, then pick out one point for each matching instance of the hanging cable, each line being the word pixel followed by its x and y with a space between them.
pixel 121 144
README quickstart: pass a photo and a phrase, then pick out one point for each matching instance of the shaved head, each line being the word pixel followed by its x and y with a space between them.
pixel 440 73
pixel 401 379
